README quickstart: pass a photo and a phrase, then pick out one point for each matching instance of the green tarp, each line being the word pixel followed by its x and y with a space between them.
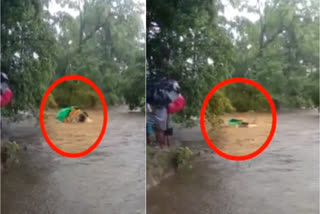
pixel 234 122
pixel 63 113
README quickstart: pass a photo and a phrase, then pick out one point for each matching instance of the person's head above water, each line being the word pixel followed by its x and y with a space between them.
pixel 82 117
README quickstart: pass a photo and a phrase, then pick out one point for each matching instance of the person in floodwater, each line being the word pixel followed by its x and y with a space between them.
pixel 72 115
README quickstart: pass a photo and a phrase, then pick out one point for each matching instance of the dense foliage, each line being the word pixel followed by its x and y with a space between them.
pixel 104 43
pixel 275 43
pixel 27 48
pixel 244 97
pixel 184 42
pixel 76 93
pixel 280 49
pixel 99 39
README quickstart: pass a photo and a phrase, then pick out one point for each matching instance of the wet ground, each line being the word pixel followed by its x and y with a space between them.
pixel 109 180
pixel 74 137
pixel 284 179
pixel 241 141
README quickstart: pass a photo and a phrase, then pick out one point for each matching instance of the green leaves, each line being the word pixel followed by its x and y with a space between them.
pixel 27 46
pixel 106 48
pixel 182 36
pixel 100 40
pixel 281 54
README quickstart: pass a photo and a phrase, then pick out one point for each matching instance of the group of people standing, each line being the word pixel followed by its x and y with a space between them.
pixel 163 99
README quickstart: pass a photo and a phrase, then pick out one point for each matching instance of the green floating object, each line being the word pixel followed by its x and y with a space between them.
pixel 63 113
pixel 234 122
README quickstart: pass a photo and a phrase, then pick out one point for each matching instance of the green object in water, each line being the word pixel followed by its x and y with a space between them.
pixel 63 113
pixel 234 122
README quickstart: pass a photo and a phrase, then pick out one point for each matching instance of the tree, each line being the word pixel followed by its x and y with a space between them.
pixel 102 43
pixel 184 42
pixel 279 50
pixel 27 43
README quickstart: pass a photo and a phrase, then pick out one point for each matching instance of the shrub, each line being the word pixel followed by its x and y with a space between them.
pixel 51 103
pixel 75 93
pixel 218 105
pixel 244 97
pixel 182 157
pixel 8 151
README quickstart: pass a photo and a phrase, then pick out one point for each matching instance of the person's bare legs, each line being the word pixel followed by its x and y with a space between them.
pixel 160 137
pixel 168 140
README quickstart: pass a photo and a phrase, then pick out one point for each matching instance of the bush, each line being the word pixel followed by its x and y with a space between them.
pixel 75 93
pixel 51 103
pixel 244 97
pixel 8 151
pixel 182 157
pixel 218 105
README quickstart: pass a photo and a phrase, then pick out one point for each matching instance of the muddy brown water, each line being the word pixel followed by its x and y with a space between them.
pixel 109 180
pixel 241 141
pixel 74 137
pixel 284 179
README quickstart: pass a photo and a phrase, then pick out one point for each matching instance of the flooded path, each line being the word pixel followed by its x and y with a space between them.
pixel 109 180
pixel 284 179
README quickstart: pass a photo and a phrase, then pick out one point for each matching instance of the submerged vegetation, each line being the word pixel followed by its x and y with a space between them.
pixel 8 152
pixel 182 157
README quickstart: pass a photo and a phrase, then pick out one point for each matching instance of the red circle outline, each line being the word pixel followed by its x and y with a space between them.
pixel 203 110
pixel 105 118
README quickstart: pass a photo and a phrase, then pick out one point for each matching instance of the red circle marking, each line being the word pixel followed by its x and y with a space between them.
pixel 203 110
pixel 105 118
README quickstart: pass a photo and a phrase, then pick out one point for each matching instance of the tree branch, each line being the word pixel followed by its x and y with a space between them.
pixel 273 37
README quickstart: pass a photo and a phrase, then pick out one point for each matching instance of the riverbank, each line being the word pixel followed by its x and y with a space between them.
pixel 13 142
pixel 232 140
pixel 165 163
pixel 286 172
pixel 160 165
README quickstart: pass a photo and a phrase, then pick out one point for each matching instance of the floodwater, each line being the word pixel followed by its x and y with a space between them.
pixel 241 141
pixel 111 179
pixel 284 179
pixel 74 137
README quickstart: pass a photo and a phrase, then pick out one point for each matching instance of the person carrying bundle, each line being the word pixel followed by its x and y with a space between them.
pixel 163 98
pixel 72 115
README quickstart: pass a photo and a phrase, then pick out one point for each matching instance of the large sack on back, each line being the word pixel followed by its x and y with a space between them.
pixel 163 92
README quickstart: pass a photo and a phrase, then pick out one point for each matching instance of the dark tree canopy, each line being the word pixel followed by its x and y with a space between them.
pixel 102 40
pixel 184 42
pixel 199 45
